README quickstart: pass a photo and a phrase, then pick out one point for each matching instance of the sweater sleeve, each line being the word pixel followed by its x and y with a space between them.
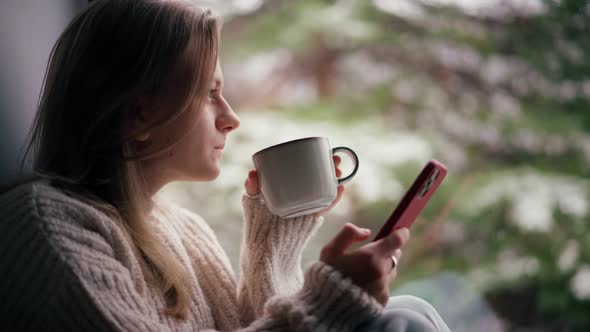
pixel 270 262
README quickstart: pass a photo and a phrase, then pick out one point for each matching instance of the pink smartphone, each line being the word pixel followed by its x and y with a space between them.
pixel 415 198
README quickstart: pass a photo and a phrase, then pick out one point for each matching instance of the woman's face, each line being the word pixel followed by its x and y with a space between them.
pixel 196 157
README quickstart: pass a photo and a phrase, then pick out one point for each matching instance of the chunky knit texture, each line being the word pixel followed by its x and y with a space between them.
pixel 67 266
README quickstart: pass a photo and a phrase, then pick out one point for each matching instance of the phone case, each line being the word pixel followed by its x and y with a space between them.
pixel 415 198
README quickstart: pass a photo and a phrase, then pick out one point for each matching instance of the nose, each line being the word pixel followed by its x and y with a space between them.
pixel 228 120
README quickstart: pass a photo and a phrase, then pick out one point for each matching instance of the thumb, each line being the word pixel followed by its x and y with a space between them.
pixel 251 184
pixel 348 235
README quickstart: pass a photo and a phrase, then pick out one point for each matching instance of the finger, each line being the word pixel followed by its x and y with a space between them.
pixel 395 240
pixel 395 262
pixel 251 184
pixel 392 275
pixel 339 194
pixel 337 160
pixel 393 268
pixel 348 235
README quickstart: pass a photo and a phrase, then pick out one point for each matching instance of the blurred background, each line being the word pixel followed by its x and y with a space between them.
pixel 497 90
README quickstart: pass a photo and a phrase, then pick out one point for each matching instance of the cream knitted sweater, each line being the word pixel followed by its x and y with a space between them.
pixel 66 266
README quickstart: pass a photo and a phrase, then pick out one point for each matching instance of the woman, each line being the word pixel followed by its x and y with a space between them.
pixel 132 100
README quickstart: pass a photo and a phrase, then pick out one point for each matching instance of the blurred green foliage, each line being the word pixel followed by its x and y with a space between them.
pixel 528 79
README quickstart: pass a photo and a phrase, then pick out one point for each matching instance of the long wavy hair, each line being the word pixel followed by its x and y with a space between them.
pixel 111 52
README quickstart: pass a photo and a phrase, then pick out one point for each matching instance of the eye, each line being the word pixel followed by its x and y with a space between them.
pixel 213 92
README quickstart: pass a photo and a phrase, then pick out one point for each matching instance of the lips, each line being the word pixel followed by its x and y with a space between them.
pixel 220 147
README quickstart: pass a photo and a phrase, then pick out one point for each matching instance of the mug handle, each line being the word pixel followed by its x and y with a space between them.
pixel 352 156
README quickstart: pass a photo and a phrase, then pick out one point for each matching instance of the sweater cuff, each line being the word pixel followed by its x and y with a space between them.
pixel 288 233
pixel 257 205
pixel 328 301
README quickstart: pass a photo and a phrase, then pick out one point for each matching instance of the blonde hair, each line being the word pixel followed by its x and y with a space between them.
pixel 111 52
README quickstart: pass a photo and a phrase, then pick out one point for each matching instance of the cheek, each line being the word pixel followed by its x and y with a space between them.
pixel 192 152
pixel 196 147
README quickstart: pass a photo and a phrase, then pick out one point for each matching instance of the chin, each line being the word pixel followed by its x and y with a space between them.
pixel 215 176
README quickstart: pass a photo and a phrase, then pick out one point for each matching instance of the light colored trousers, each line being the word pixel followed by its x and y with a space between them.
pixel 406 313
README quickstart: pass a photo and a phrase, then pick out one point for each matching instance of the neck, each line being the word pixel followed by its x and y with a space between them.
pixel 155 180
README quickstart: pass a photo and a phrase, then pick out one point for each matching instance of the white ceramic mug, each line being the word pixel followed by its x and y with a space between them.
pixel 298 177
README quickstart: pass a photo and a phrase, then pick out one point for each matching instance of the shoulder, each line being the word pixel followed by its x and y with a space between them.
pixel 42 200
pixel 58 249
pixel 55 217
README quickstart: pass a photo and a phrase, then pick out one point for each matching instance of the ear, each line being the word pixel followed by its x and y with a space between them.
pixel 138 116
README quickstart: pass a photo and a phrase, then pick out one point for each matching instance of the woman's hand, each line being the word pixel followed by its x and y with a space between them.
pixel 370 266
pixel 253 188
